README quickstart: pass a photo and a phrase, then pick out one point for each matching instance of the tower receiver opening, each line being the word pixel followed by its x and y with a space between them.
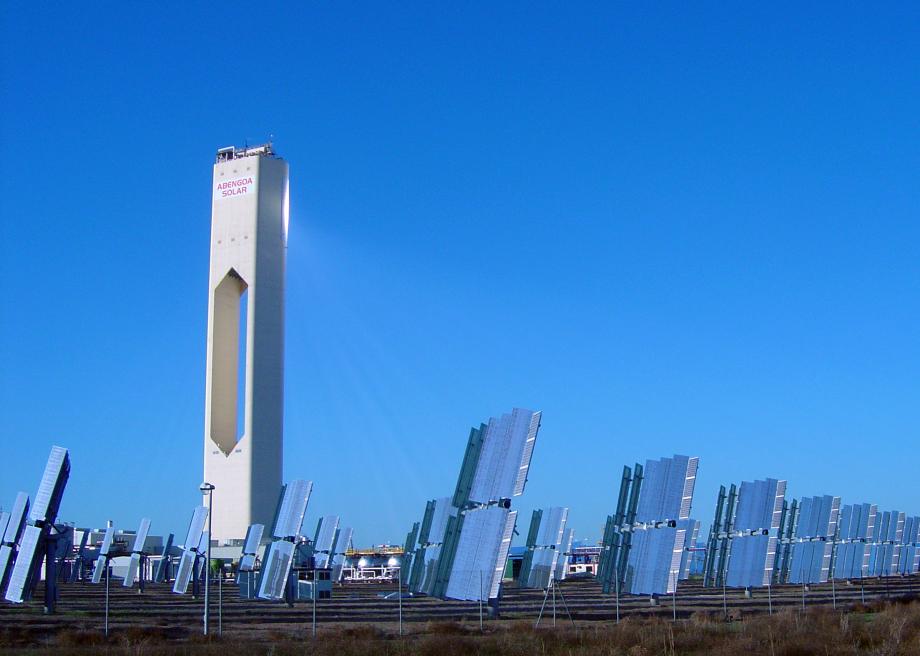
pixel 228 362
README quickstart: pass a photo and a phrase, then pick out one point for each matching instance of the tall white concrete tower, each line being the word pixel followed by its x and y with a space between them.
pixel 244 398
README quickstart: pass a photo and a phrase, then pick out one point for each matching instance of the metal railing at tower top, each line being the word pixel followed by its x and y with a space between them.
pixel 232 152
pixel 383 550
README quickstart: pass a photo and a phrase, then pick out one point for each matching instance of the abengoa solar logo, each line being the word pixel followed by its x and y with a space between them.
pixel 235 187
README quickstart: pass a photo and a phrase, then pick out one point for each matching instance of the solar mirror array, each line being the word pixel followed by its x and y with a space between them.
pixel 856 532
pixel 644 541
pixel 162 571
pixel 759 538
pixel 102 562
pixel 251 547
pixel 60 549
pixel 15 524
pixel 138 556
pixel 248 559
pixel 885 552
pixel 279 557
pixel 203 544
pixel 191 550
pixel 343 540
pixel 275 572
pixel 745 535
pixel 565 556
pixel 480 555
pixel 686 559
pixel 324 541
pixel 547 548
pixel 76 568
pixel 909 555
pixel 31 536
pixel 459 550
pixel 427 556
pixel 409 550
pixel 811 550
pixel 463 541
pixel 4 520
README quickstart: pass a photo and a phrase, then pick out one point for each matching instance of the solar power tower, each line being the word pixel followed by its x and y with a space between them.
pixel 545 546
pixel 464 540
pixel 645 539
pixel 856 531
pixel 38 541
pixel 813 545
pixel 244 389
pixel 746 535
pixel 885 551
pixel 279 558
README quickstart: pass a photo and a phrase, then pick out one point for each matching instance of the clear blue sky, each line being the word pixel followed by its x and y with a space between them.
pixel 672 229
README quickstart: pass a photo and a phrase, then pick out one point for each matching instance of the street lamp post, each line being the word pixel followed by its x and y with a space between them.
pixel 208 489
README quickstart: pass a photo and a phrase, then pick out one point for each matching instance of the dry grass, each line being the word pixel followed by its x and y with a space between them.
pixel 878 629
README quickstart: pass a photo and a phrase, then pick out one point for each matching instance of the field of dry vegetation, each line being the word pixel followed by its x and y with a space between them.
pixel 881 629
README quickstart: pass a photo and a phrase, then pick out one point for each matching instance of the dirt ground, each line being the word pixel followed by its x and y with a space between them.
pixel 877 617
